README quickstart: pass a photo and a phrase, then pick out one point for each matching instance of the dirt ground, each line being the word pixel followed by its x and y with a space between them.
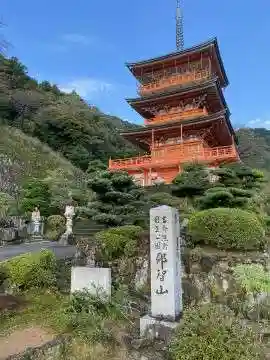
pixel 20 340
pixel 9 302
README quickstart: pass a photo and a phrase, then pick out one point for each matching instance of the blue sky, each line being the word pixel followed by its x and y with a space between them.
pixel 84 45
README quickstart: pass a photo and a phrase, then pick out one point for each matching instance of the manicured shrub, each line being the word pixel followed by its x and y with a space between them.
pixel 192 181
pixel 55 227
pixel 163 198
pixel 119 241
pixel 32 270
pixel 226 228
pixel 213 332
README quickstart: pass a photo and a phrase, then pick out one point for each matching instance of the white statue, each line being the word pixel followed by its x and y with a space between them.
pixel 36 218
pixel 69 214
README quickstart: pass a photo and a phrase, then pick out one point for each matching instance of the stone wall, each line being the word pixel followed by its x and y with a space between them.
pixel 49 351
pixel 16 230
pixel 207 273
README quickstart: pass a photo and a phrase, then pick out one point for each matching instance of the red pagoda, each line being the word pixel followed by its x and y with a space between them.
pixel 185 114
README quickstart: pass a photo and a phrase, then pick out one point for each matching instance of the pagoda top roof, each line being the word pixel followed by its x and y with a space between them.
pixel 189 88
pixel 132 66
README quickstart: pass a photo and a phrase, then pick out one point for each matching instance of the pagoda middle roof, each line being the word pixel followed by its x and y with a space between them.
pixel 133 66
pixel 146 130
pixel 211 85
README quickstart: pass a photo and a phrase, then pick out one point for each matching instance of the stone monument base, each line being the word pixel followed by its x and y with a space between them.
pixel 153 328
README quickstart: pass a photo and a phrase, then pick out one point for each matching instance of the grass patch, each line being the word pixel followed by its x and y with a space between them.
pixel 40 309
pixel 88 318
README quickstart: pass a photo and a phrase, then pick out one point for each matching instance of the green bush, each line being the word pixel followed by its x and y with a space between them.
pixel 55 227
pixel 120 241
pixel 226 228
pixel 252 278
pixel 213 332
pixel 31 270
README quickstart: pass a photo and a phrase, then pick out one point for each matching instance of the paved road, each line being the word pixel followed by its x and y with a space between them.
pixel 61 251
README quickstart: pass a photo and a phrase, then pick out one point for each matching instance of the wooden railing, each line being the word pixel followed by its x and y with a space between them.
pixel 177 79
pixel 175 156
pixel 192 113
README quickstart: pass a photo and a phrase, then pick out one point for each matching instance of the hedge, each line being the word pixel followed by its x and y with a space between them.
pixel 226 228
pixel 55 227
pixel 213 332
pixel 31 270
pixel 119 241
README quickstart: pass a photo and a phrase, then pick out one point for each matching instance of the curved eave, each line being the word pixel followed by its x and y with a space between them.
pixel 197 48
pixel 172 125
pixel 180 91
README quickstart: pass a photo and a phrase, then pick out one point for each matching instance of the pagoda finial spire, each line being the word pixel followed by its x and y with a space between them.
pixel 179 27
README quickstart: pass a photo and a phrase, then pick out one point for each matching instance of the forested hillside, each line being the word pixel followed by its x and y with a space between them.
pixel 82 133
pixel 63 121
pixel 254 147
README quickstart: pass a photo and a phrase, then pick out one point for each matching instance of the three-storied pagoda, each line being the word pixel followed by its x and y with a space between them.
pixel 186 115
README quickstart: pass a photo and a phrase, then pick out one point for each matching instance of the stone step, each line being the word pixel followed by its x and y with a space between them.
pixel 35 238
pixel 85 231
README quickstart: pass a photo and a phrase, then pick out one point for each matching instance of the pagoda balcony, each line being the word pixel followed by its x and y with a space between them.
pixel 173 80
pixel 175 155
pixel 176 116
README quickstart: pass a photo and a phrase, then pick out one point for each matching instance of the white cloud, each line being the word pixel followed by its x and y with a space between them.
pixel 87 87
pixel 78 39
pixel 259 123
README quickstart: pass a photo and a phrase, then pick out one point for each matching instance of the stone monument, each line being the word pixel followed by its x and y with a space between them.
pixel 96 280
pixel 166 282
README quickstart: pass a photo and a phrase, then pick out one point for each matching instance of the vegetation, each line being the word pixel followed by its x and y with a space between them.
pixel 254 147
pixel 7 204
pixel 36 194
pixel 252 278
pixel 226 228
pixel 33 270
pixel 120 241
pixel 64 121
pixel 55 227
pixel 192 181
pixel 253 281
pixel 54 147
pixel 117 201
pixel 90 319
pixel 89 316
pixel 213 332
pixel 23 159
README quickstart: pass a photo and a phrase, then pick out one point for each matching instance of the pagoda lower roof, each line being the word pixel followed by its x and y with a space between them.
pixel 134 67
pixel 211 87
pixel 146 131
